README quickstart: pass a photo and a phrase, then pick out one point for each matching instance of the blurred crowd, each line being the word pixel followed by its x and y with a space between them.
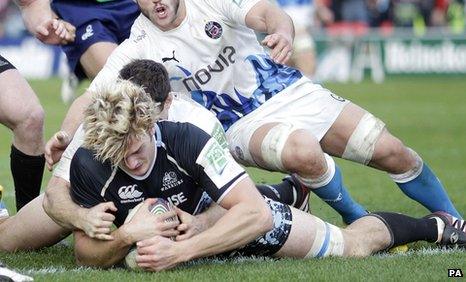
pixel 376 13
pixel 11 24
pixel 326 13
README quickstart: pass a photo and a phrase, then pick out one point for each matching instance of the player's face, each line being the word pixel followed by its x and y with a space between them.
pixel 139 155
pixel 165 14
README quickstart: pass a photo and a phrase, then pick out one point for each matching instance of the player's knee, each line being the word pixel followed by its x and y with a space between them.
pixel 31 126
pixel 46 203
pixel 393 156
pixel 303 154
pixel 355 244
pixel 285 148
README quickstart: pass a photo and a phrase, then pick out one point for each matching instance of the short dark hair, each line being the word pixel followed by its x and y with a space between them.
pixel 152 76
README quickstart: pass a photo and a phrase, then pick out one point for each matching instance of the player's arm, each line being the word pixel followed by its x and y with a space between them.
pixel 40 21
pixel 247 217
pixel 122 55
pixel 96 222
pixel 143 225
pixel 267 17
pixel 226 182
pixel 191 225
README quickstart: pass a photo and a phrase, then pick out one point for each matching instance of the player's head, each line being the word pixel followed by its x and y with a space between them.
pixel 165 14
pixel 152 76
pixel 119 124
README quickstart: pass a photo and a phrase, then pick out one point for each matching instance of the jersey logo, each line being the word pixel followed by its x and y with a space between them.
pixel 129 192
pixel 89 32
pixel 213 29
pixel 140 36
pixel 166 59
pixel 170 180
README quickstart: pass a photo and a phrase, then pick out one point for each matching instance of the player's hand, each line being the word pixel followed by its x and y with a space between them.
pixel 281 47
pixel 190 225
pixel 55 32
pixel 159 253
pixel 145 224
pixel 55 148
pixel 97 221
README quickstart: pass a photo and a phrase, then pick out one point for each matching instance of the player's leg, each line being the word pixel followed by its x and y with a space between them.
pixel 31 228
pixel 20 110
pixel 94 58
pixel 280 147
pixel 311 237
pixel 359 136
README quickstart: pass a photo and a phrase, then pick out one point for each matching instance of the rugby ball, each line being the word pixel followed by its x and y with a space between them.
pixel 159 207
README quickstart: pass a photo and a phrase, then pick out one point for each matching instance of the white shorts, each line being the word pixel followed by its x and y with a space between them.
pixel 304 105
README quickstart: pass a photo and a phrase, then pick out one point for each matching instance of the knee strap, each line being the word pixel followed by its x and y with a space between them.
pixel 273 144
pixel 361 144
pixel 328 241
pixel 412 173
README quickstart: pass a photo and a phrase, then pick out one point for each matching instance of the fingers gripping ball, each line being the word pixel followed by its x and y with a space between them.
pixel 159 207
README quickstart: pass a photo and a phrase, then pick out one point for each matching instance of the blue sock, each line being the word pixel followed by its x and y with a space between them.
pixel 335 194
pixel 429 192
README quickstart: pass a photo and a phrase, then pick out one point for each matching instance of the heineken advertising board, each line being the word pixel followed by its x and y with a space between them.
pixel 351 58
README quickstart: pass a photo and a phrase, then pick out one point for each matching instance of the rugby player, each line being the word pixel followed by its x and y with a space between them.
pixel 126 158
pixel 96 222
pixel 41 22
pixel 20 111
pixel 303 14
pixel 273 116
pixel 93 30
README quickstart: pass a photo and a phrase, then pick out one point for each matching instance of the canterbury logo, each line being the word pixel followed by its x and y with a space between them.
pixel 129 192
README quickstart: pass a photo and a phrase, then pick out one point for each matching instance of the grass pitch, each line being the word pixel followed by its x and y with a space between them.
pixel 428 114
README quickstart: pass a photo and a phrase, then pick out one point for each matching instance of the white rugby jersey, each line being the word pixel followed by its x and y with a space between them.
pixel 212 55
pixel 181 110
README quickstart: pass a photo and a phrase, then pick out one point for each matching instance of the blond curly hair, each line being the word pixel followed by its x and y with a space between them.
pixel 119 112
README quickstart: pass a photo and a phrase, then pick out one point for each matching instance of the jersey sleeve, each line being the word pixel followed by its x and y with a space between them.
pixel 204 159
pixel 233 10
pixel 85 181
pixel 62 170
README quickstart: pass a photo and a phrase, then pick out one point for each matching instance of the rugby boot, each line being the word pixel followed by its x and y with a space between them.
pixel 454 234
pixel 12 276
pixel 300 193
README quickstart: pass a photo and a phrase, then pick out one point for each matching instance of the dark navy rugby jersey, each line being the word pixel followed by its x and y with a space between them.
pixel 190 170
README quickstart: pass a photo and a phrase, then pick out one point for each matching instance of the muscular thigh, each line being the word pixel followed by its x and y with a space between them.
pixel 94 58
pixel 17 99
pixel 306 107
pixel 31 228
pixel 335 140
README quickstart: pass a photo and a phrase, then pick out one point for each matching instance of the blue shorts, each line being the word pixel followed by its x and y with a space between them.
pixel 95 22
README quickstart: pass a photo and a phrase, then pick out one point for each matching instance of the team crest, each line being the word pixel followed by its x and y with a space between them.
pixel 213 29
pixel 239 153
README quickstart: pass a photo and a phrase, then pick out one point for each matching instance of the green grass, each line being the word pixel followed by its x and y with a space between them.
pixel 429 115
